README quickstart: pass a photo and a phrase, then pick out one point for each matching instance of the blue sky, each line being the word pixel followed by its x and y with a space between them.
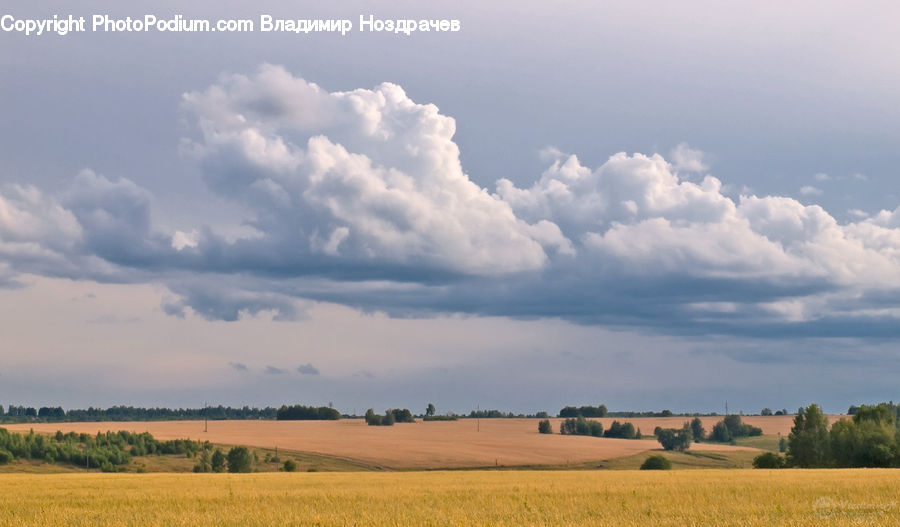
pixel 646 206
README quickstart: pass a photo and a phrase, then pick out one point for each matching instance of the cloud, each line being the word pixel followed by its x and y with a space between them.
pixel 809 190
pixel 821 176
pixel 687 159
pixel 238 366
pixel 272 370
pixel 308 369
pixel 360 198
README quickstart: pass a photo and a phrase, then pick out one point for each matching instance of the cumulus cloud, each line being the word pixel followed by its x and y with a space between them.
pixel 359 197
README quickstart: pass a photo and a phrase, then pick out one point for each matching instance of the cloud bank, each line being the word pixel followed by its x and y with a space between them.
pixel 360 198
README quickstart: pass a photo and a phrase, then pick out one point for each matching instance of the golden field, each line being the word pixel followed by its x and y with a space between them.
pixel 420 445
pixel 626 498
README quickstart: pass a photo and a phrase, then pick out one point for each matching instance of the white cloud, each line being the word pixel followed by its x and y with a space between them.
pixel 821 176
pixel 809 190
pixel 687 159
pixel 360 198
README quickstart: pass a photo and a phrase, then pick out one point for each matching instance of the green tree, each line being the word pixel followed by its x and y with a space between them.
pixel 290 466
pixel 217 461
pixel 697 430
pixel 766 411
pixel 429 410
pixel 808 440
pixel 672 439
pixel 239 460
pixel 544 427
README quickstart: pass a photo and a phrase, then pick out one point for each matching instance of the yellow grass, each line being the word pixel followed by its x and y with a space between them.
pixel 621 498
pixel 420 445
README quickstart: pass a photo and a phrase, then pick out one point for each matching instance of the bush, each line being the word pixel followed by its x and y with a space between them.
pixel 239 460
pixel 544 427
pixel 5 457
pixel 290 466
pixel 768 460
pixel 656 462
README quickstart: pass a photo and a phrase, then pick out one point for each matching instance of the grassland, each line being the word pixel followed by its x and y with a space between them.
pixel 421 445
pixel 622 498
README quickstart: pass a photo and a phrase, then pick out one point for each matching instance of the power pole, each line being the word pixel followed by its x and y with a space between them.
pixel 726 407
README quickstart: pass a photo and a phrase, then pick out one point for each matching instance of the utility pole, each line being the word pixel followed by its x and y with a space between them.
pixel 726 407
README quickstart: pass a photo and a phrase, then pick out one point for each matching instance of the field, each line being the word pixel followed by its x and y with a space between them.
pixel 422 445
pixel 691 497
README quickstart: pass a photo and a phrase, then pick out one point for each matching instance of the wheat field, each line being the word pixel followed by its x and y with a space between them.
pixel 437 444
pixel 513 498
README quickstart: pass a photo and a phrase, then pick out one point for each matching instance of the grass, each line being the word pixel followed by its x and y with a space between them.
pixel 624 498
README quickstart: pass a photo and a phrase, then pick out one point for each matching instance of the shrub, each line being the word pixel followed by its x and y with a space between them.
pixel 5 457
pixel 656 462
pixel 768 460
pixel 544 427
pixel 290 466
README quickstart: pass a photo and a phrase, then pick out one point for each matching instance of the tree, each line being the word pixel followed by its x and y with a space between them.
pixel 290 466
pixel 808 440
pixel 672 439
pixel 766 411
pixel 697 430
pixel 656 462
pixel 429 410
pixel 389 418
pixel 217 462
pixel 544 427
pixel 621 430
pixel 720 433
pixel 239 460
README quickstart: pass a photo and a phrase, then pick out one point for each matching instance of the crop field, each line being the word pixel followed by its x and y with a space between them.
pixel 420 445
pixel 631 498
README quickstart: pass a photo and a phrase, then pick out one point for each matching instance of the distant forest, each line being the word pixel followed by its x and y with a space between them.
pixel 18 414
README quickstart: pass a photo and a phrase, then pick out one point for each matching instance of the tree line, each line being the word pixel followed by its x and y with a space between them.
pixel 300 412
pixel 391 416
pixel 109 451
pixel 16 414
pixel 584 427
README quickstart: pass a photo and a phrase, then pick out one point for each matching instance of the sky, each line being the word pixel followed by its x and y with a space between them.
pixel 647 206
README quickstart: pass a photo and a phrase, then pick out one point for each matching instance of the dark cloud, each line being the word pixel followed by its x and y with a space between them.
pixel 272 370
pixel 308 369
pixel 238 366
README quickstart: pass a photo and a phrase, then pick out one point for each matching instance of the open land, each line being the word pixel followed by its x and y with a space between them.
pixel 428 445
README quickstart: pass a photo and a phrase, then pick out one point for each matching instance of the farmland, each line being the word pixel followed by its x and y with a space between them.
pixel 696 497
pixel 421 445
